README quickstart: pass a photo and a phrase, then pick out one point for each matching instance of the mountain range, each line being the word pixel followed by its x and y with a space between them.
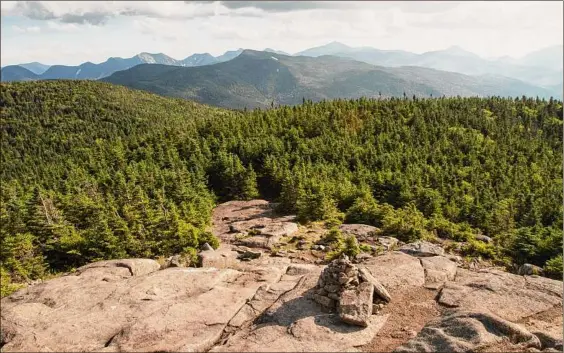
pixel 259 79
pixel 357 71
pixel 91 71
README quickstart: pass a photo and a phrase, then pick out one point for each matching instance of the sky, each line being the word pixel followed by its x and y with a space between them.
pixel 73 32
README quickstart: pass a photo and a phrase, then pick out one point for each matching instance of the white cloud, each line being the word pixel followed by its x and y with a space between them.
pixel 32 29
pixel 121 28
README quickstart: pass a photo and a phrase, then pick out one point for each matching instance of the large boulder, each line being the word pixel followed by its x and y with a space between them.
pixel 395 270
pixel 506 295
pixel 422 249
pixel 464 331
pixel 361 231
pixel 438 270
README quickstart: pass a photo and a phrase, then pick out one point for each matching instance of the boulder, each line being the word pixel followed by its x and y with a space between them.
pixel 509 296
pixel 136 267
pixel 207 246
pixel 360 231
pixel 300 269
pixel 395 270
pixel 422 249
pixel 389 243
pixel 464 331
pixel 483 238
pixel 223 258
pixel 355 305
pixel 528 270
pixel 438 270
pixel 379 289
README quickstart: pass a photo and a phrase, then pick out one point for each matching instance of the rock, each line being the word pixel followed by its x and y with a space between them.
pixel 379 289
pixel 174 261
pixel 360 231
pixel 302 245
pixel 331 288
pixel 483 238
pixel 221 258
pixel 316 333
pixel 454 258
pixel 300 269
pixel 325 301
pixel 422 249
pixel 207 246
pixel 362 257
pixel 249 255
pixel 506 295
pixel 355 306
pixel 188 312
pixel 388 243
pixel 136 267
pixel 438 270
pixel 465 331
pixel 280 229
pixel 319 247
pixel 528 270
pixel 395 270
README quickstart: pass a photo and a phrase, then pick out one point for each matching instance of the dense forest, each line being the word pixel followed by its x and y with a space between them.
pixel 94 171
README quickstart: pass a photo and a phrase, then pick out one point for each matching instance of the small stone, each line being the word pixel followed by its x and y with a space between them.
pixel 333 296
pixel 379 289
pixel 207 246
pixel 331 288
pixel 327 302
pixel 375 309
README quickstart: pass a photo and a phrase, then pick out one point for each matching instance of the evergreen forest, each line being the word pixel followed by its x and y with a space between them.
pixel 92 171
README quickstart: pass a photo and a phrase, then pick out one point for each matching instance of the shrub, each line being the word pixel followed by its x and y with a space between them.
pixel 553 267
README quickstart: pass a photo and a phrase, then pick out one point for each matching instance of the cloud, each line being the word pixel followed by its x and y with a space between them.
pixel 283 6
pixel 31 29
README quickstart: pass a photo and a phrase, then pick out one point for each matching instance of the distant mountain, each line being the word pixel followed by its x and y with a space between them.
pixel 547 57
pixel 327 49
pixel 90 71
pixel 257 79
pixel 229 55
pixel 35 67
pixel 270 50
pixel 199 60
pixel 17 73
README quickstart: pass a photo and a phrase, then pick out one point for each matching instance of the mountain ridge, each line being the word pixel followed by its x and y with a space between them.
pixel 259 79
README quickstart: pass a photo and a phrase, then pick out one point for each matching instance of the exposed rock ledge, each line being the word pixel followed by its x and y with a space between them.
pixel 266 304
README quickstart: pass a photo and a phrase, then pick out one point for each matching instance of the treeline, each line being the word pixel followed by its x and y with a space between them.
pixel 94 171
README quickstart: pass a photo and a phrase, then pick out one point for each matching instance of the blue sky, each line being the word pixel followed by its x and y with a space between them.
pixel 58 32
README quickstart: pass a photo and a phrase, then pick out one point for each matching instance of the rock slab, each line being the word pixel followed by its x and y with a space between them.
pixel 355 305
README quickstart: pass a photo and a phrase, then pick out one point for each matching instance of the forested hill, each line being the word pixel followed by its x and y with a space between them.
pixel 259 79
pixel 94 171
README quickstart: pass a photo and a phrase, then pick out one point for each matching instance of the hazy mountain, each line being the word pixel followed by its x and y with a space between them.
pixel 270 50
pixel 229 55
pixel 327 49
pixel 542 68
pixel 547 57
pixel 91 71
pixel 199 60
pixel 17 73
pixel 35 67
pixel 256 79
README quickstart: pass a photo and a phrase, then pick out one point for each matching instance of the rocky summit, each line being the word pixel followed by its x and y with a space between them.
pixel 245 299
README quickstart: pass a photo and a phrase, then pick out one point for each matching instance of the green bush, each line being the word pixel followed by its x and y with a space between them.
pixel 553 267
